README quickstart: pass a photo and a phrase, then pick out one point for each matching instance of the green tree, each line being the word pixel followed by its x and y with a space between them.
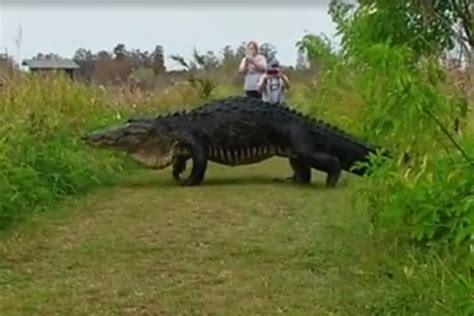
pixel 426 26
pixel 317 49
pixel 268 50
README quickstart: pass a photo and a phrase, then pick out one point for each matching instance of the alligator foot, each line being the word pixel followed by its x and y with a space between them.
pixel 177 176
pixel 188 182
pixel 179 166
pixel 191 181
pixel 301 171
pixel 331 180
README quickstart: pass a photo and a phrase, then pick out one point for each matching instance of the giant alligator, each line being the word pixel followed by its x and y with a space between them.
pixel 236 131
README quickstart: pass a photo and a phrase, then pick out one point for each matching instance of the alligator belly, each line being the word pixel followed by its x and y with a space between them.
pixel 238 157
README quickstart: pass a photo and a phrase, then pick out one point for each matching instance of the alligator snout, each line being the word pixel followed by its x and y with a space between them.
pixel 101 138
pixel 91 138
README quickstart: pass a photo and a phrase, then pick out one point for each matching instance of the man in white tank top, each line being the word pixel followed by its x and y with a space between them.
pixel 273 84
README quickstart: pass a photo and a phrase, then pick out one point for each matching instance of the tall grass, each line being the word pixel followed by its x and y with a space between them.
pixel 180 96
pixel 41 156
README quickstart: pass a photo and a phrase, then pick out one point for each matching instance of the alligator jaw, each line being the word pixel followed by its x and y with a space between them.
pixel 90 139
pixel 153 162
pixel 99 138
pixel 154 158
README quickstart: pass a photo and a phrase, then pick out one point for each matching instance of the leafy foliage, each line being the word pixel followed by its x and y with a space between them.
pixel 318 50
pixel 427 27
pixel 407 104
pixel 268 50
pixel 388 85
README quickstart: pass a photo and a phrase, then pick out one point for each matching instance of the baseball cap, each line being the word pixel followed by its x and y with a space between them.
pixel 274 63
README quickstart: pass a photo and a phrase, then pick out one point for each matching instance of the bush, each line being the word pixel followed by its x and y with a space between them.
pixel 406 105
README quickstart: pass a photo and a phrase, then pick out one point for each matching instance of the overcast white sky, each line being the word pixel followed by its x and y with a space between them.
pixel 63 29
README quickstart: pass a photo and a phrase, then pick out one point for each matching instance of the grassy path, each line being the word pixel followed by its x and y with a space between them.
pixel 238 245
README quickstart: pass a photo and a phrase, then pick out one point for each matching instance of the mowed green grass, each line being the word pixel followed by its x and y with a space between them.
pixel 240 244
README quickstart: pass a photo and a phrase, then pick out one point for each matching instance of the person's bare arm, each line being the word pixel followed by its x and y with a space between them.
pixel 243 65
pixel 261 84
pixel 286 81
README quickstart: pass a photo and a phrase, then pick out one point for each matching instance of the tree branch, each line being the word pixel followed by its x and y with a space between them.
pixel 451 138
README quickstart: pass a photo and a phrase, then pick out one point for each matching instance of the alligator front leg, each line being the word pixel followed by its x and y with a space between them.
pixel 199 157
pixel 179 166
pixel 329 164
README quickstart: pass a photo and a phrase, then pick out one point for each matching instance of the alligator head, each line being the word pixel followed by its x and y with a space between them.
pixel 146 140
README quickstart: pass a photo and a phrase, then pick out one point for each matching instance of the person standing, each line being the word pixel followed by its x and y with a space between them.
pixel 253 66
pixel 273 84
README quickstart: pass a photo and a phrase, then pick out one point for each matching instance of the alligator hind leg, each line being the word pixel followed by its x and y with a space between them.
pixel 329 164
pixel 303 146
pixel 301 171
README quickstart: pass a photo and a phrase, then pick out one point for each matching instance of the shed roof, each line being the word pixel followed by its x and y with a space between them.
pixel 50 64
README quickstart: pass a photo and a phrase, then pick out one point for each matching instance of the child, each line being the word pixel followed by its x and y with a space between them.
pixel 273 84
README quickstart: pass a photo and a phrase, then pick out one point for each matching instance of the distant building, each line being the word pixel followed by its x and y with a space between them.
pixel 46 65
